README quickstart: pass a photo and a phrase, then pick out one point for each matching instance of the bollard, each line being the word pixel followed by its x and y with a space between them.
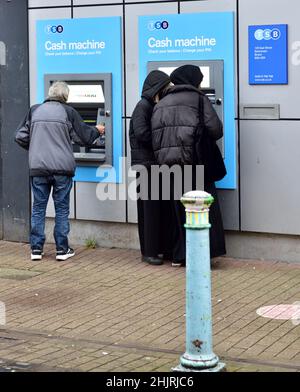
pixel 199 355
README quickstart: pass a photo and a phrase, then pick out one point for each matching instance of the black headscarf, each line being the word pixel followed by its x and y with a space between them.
pixel 187 74
pixel 153 83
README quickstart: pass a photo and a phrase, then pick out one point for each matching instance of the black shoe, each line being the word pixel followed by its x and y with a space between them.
pixel 63 255
pixel 36 254
pixel 152 260
pixel 165 256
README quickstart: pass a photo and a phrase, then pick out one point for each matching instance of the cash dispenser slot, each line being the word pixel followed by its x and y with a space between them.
pixel 90 95
pixel 89 115
pixel 211 95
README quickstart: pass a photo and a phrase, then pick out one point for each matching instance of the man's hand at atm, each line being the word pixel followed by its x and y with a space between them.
pixel 101 128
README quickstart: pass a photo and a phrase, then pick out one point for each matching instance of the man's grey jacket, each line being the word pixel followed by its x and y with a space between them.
pixel 47 131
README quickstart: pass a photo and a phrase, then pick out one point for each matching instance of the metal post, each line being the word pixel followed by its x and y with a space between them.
pixel 199 355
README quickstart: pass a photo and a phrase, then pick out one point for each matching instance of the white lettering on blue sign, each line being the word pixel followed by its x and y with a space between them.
pixel 61 45
pixel 197 41
pixel 49 45
pixel 267 34
pixel 159 43
pixel 87 45
pixel 181 42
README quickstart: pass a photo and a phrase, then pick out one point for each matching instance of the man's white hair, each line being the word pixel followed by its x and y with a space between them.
pixel 59 91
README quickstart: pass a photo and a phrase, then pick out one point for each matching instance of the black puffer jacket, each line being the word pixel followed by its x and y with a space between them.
pixel 178 125
pixel 140 124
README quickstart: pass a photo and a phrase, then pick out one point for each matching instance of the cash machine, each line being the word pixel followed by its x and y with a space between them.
pixel 212 85
pixel 90 95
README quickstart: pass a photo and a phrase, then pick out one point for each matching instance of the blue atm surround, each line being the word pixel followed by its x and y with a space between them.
pixel 190 37
pixel 85 46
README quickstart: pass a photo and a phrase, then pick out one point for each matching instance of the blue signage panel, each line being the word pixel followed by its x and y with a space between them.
pixel 87 45
pixel 268 55
pixel 205 36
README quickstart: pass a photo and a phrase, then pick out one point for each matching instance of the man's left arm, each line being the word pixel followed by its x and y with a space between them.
pixel 83 134
pixel 22 134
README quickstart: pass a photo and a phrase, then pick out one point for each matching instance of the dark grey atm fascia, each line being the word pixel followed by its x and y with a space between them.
pixel 216 83
pixel 92 158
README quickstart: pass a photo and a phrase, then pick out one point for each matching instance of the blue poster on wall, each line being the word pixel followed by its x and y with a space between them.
pixel 85 46
pixel 194 37
pixel 268 55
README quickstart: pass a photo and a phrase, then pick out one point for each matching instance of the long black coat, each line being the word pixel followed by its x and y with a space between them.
pixel 150 221
pixel 185 128
pixel 140 124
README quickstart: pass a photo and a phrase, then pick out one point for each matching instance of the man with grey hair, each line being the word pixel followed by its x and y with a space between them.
pixel 47 131
pixel 59 90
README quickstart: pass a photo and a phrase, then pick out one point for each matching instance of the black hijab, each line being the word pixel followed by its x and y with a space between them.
pixel 187 74
pixel 154 82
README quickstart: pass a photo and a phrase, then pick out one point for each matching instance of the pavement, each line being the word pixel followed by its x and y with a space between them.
pixel 106 311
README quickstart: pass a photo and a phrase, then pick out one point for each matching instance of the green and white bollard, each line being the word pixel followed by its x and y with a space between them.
pixel 199 356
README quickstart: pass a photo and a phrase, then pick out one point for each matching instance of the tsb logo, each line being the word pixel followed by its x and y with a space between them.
pixel 54 29
pixel 267 34
pixel 158 25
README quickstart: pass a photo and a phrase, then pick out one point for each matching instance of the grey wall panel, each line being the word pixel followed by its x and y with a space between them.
pixel 34 15
pixel 207 6
pixel 96 2
pixel 98 11
pixel 50 213
pixel 89 207
pixel 132 13
pixel 257 12
pixel 229 202
pixel 47 3
pixel 145 1
pixel 270 189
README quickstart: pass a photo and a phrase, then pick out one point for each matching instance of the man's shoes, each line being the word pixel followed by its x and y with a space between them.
pixel 180 263
pixel 62 255
pixel 36 254
pixel 152 260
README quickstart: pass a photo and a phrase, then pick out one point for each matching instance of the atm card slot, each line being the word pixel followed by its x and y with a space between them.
pixel 96 150
pixel 90 157
pixel 212 98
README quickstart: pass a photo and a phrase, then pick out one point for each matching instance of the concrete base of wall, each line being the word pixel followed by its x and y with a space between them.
pixel 106 234
pixel 263 246
pixel 239 245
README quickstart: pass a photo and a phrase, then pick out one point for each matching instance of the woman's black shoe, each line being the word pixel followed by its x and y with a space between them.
pixel 152 260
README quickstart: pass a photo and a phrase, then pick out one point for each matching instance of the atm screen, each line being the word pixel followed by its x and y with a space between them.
pixel 205 70
pixel 87 97
pixel 85 93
